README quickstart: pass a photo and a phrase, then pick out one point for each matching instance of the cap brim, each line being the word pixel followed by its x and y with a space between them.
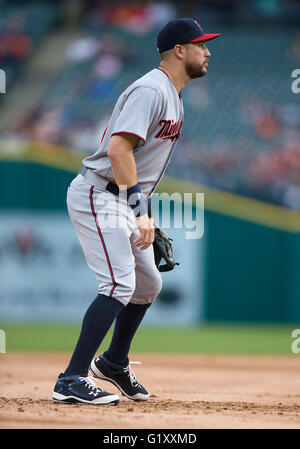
pixel 206 37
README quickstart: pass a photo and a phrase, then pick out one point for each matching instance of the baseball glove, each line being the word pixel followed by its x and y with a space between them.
pixel 163 250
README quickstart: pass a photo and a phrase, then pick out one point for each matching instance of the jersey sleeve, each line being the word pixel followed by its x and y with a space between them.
pixel 140 112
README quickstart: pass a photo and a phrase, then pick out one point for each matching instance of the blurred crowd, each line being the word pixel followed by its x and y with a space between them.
pixel 23 25
pixel 272 176
pixel 62 122
pixel 137 17
pixel 15 45
pixel 99 63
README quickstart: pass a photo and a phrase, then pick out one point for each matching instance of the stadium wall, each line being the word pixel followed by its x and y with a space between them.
pixel 249 269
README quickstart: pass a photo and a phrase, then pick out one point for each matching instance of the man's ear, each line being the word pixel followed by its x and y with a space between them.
pixel 179 51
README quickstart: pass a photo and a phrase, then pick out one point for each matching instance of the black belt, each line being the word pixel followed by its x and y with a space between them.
pixel 114 189
pixel 110 186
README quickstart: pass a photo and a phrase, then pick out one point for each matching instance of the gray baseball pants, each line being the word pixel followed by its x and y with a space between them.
pixel 106 228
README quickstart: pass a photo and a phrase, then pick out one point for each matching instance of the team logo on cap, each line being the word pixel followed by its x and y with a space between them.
pixel 198 26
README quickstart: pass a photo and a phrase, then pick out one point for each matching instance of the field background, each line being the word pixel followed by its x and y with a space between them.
pixel 217 338
pixel 209 376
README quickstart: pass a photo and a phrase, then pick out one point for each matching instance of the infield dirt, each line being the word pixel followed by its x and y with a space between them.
pixel 187 391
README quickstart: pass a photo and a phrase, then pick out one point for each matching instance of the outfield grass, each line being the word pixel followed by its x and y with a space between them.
pixel 208 338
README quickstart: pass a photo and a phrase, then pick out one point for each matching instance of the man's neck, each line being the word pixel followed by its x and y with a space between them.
pixel 178 77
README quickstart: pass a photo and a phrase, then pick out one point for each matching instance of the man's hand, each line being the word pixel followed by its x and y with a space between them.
pixel 146 227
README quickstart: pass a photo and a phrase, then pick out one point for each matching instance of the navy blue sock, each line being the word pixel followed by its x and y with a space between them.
pixel 95 325
pixel 126 325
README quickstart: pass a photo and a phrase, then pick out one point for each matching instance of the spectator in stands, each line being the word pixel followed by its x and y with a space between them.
pixel 137 17
pixel 84 48
pixel 15 45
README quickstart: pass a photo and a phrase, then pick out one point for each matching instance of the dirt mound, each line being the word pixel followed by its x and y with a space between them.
pixel 187 391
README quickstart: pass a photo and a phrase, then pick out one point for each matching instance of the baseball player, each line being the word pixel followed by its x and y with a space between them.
pixel 108 206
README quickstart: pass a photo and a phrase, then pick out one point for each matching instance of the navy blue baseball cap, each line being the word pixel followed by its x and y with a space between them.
pixel 181 31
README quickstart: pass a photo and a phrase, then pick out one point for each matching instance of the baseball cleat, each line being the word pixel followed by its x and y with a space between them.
pixel 81 390
pixel 124 379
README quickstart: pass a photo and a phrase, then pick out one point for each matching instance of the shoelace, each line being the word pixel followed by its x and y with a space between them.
pixel 132 377
pixel 89 382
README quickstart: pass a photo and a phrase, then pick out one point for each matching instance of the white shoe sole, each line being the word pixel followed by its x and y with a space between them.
pixel 136 397
pixel 112 399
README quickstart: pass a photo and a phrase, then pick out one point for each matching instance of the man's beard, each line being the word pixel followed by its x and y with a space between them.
pixel 194 72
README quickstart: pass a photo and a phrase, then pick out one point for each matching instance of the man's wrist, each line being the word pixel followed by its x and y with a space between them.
pixel 137 201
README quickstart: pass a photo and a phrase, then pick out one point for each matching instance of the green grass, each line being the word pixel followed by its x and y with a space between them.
pixel 208 338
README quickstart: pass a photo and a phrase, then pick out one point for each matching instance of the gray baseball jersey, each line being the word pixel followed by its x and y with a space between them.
pixel 151 109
